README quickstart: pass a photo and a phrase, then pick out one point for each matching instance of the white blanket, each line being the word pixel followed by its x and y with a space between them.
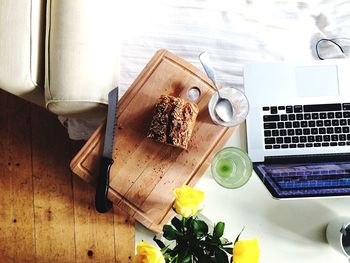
pixel 233 32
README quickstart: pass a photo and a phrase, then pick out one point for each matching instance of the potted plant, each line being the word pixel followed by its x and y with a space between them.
pixel 191 239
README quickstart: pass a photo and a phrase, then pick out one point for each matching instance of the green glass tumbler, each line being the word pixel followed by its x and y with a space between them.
pixel 231 167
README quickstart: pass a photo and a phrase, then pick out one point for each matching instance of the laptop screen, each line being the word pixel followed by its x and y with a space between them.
pixel 305 179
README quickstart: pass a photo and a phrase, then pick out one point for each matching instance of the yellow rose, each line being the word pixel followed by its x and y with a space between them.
pixel 146 253
pixel 187 200
pixel 246 251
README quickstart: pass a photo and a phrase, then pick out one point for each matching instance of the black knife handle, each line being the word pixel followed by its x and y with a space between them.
pixel 102 204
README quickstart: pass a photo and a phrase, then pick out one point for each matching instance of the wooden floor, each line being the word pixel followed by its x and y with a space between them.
pixel 46 213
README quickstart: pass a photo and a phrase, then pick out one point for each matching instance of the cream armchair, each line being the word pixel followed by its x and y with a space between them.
pixel 60 54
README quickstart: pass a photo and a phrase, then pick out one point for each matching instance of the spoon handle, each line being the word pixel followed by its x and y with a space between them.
pixel 208 67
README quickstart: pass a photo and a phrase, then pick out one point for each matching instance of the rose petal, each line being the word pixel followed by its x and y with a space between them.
pixel 246 251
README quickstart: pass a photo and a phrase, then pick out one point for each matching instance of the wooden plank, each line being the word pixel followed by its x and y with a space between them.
pixel 94 232
pixel 68 229
pixel 17 242
pixel 53 196
pixel 124 231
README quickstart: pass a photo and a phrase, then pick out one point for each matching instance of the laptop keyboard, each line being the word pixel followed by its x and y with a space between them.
pixel 305 126
pixel 305 179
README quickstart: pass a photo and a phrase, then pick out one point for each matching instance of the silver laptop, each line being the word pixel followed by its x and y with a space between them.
pixel 298 126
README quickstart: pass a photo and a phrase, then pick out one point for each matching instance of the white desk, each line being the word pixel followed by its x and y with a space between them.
pixel 288 231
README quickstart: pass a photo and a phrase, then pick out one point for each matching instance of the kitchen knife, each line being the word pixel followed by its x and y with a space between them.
pixel 102 204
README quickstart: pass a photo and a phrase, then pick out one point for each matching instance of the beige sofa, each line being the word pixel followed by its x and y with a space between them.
pixel 60 54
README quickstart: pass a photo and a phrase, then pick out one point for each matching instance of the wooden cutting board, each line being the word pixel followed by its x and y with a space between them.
pixel 145 172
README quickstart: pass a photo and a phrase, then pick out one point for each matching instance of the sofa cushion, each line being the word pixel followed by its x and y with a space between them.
pixel 82 56
pixel 21 48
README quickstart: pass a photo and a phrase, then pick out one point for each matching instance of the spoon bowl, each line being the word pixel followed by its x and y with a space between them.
pixel 224 110
pixel 239 104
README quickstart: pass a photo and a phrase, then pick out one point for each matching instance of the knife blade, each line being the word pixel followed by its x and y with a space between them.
pixel 102 204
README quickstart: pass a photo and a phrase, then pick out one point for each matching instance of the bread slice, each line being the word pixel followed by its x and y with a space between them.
pixel 173 121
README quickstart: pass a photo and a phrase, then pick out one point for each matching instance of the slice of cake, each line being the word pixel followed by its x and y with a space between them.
pixel 173 121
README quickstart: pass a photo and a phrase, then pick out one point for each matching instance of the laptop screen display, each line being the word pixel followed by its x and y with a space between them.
pixel 305 179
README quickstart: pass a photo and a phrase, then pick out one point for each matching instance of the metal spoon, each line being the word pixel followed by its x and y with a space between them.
pixel 223 107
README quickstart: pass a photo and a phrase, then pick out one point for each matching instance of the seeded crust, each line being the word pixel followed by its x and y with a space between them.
pixel 173 121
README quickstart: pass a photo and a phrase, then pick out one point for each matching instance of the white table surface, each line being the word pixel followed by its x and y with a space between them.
pixel 288 230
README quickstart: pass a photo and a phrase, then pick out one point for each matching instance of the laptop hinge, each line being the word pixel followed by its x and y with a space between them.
pixel 314 158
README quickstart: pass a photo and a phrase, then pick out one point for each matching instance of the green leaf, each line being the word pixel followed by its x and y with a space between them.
pixel 200 228
pixel 187 222
pixel 172 259
pixel 169 232
pixel 184 255
pixel 166 251
pixel 221 256
pixel 214 241
pixel 211 250
pixel 177 223
pixel 198 252
pixel 219 229
pixel 206 259
pixel 159 242
pixel 186 259
pixel 228 250
pixel 237 238
pixel 174 252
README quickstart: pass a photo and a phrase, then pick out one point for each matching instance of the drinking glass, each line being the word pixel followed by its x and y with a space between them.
pixel 231 167
pixel 338 235
pixel 239 103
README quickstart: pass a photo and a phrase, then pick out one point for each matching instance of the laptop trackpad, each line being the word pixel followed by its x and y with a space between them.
pixel 317 81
